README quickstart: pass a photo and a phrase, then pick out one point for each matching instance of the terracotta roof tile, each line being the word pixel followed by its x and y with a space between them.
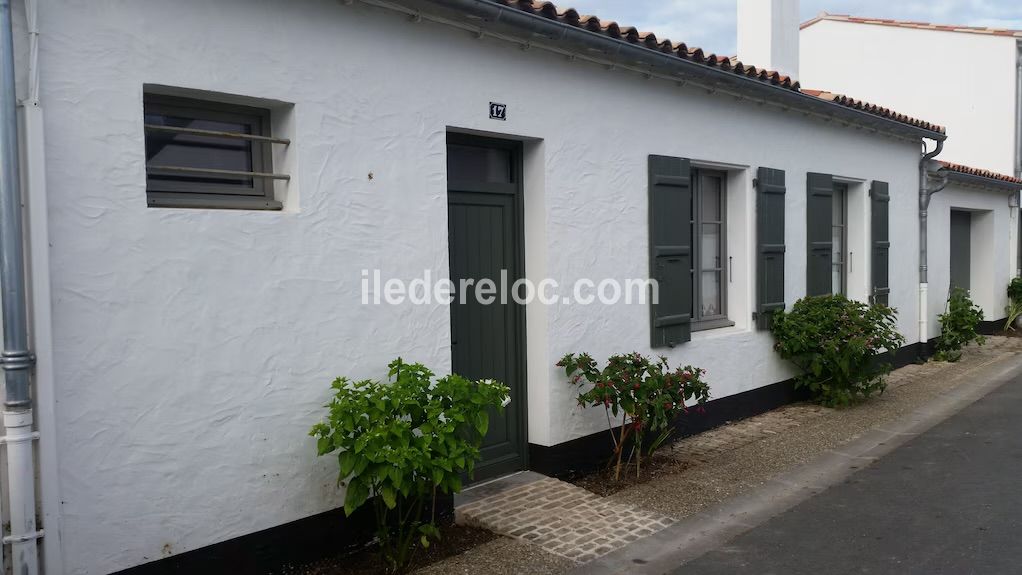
pixel 959 168
pixel 873 109
pixel 649 40
pixel 917 25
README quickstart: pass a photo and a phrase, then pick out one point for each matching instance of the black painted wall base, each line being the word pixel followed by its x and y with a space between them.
pixel 991 327
pixel 293 544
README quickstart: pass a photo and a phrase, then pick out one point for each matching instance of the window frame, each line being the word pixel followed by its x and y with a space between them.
pixel 205 195
pixel 699 321
pixel 840 194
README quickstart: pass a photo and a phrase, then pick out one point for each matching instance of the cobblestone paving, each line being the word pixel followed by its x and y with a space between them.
pixel 562 518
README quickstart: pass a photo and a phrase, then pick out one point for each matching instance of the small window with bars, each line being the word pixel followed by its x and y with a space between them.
pixel 202 154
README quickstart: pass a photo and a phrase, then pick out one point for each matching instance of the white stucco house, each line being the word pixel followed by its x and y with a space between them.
pixel 982 111
pixel 208 187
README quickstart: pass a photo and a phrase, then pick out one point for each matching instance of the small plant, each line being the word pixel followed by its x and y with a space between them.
pixel 1015 290
pixel 401 441
pixel 1014 308
pixel 958 326
pixel 1013 311
pixel 646 394
pixel 835 342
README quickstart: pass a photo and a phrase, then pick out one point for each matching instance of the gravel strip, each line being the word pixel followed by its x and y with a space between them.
pixel 501 557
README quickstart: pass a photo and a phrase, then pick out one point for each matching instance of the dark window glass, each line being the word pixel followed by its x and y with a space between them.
pixel 190 150
pixel 478 164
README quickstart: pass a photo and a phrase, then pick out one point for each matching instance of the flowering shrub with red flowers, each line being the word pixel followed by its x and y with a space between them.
pixel 836 342
pixel 647 394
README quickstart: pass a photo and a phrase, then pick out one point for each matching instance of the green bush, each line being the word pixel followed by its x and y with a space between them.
pixel 1012 312
pixel 1014 308
pixel 647 394
pixel 958 326
pixel 835 342
pixel 1015 290
pixel 400 442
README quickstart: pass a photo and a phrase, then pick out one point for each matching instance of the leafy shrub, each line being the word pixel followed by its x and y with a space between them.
pixel 1015 290
pixel 647 395
pixel 835 342
pixel 958 326
pixel 401 441
pixel 1014 308
pixel 1012 311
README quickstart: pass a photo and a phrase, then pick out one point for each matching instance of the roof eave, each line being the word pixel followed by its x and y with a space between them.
pixel 537 30
pixel 974 180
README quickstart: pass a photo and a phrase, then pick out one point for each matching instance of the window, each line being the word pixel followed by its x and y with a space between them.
pixel 203 154
pixel 709 305
pixel 839 239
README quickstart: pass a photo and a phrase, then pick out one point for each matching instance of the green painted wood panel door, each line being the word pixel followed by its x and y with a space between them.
pixel 961 248
pixel 485 234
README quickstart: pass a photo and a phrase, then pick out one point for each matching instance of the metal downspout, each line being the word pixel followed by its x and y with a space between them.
pixel 1018 109
pixel 1017 222
pixel 17 360
pixel 925 192
pixel 924 204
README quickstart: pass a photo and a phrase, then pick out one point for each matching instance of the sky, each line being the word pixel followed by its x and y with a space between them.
pixel 710 24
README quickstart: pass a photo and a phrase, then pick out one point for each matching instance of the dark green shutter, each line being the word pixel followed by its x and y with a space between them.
pixel 880 200
pixel 769 244
pixel 670 249
pixel 819 216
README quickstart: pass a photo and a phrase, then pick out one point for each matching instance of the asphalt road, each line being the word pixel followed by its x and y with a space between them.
pixel 948 501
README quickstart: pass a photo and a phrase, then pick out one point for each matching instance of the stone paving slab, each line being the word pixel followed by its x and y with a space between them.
pixel 562 519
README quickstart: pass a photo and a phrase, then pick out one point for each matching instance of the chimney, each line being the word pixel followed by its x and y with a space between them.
pixel 768 35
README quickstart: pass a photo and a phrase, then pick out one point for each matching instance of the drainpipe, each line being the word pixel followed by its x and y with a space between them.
pixel 16 359
pixel 925 192
pixel 1018 109
pixel 1018 157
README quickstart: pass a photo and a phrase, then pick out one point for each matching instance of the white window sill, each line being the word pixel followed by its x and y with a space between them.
pixel 719 332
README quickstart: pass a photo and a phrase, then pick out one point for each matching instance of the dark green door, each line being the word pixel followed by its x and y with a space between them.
pixel 485 232
pixel 961 248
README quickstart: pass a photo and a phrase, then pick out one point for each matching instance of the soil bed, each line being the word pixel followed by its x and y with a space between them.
pixel 602 482
pixel 454 540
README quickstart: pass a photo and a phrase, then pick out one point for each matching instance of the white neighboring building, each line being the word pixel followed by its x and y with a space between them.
pixel 187 322
pixel 969 79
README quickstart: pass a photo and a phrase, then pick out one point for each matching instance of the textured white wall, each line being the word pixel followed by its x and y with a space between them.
pixel 194 347
pixel 965 82
pixel 989 245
